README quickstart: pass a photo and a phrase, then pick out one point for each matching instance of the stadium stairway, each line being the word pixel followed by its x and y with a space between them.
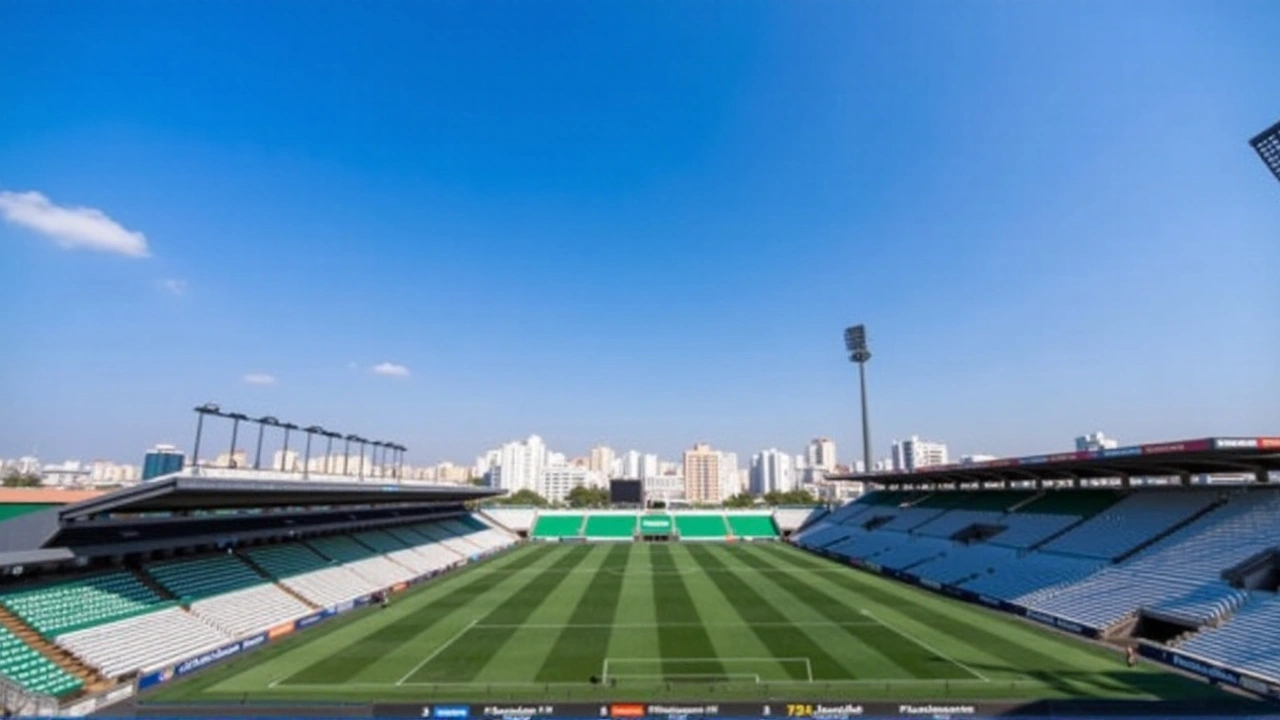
pixel 253 564
pixel 151 584
pixel 70 664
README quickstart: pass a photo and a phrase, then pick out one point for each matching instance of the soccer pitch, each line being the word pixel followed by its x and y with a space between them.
pixel 674 621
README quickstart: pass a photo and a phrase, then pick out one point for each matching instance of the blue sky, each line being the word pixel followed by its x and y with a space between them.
pixel 638 223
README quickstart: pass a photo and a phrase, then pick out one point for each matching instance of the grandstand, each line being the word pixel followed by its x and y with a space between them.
pixel 102 592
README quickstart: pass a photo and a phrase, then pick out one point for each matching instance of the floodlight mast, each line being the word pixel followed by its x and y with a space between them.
pixel 855 341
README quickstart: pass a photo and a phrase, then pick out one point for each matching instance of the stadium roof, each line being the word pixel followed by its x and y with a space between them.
pixel 177 493
pixel 1236 455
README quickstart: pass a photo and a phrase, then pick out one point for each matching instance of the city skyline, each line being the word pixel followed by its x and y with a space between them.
pixel 644 237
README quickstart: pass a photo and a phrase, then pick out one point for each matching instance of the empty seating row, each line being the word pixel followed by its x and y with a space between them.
pixel 557 526
pixel 24 665
pixel 83 602
pixel 610 527
pixel 1033 576
pixel 514 519
pixel 752 526
pixel 1131 522
pixel 250 611
pixel 1026 529
pixel 701 527
pixel 205 577
pixel 1246 642
pixel 143 642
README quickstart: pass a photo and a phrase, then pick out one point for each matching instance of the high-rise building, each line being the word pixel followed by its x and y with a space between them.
pixel 648 465
pixel 729 485
pixel 821 453
pixel 1095 441
pixel 1267 145
pixel 556 481
pixel 519 464
pixel 162 460
pixel 702 474
pixel 631 465
pixel 913 453
pixel 601 460
pixel 772 471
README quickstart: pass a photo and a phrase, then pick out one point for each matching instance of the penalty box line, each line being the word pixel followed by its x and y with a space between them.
pixel 605 674
pixel 920 643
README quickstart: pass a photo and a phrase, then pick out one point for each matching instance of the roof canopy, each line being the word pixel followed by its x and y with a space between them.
pixel 1252 455
pixel 178 493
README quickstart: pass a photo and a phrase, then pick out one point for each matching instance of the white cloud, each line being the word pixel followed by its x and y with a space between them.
pixel 260 379
pixel 176 287
pixel 390 370
pixel 71 227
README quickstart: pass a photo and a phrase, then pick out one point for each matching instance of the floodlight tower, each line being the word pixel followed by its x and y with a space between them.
pixel 1267 145
pixel 855 341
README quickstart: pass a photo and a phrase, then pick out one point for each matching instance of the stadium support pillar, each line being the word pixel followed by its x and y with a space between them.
pixel 1126 482
pixel 1184 479
pixel 1075 483
pixel 1262 477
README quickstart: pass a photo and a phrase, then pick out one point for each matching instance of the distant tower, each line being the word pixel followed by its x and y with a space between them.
pixel 162 460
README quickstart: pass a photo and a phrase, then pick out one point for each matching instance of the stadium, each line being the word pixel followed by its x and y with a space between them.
pixel 1015 586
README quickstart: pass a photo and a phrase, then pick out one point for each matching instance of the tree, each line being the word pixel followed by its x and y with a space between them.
pixel 22 480
pixel 522 497
pixel 584 497
pixel 741 500
pixel 791 497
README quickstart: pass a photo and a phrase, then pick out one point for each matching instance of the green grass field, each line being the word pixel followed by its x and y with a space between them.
pixel 674 621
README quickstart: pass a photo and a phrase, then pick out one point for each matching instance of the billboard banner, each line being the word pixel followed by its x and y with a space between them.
pixel 1176 447
pixel 1269 443
pixel 1122 452
pixel 1234 443
pixel 1211 670
pixel 1061 624
pixel 655 525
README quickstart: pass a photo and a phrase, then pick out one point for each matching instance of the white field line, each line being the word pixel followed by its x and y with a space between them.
pixel 437 651
pixel 904 682
pixel 804 623
pixel 928 647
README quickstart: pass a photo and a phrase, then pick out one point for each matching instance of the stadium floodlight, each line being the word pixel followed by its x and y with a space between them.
pixel 208 408
pixel 1267 145
pixel 373 457
pixel 263 422
pixel 306 457
pixel 363 461
pixel 235 430
pixel 346 450
pixel 328 449
pixel 855 341
pixel 284 451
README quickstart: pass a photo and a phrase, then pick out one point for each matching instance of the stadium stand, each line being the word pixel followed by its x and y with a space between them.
pixel 549 527
pixel 1131 522
pixel 751 526
pixel 793 519
pixel 691 526
pixel 610 527
pixel 143 642
pixel 60 607
pixel 191 580
pixel 298 567
pixel 27 667
pixel 515 519
pixel 1236 644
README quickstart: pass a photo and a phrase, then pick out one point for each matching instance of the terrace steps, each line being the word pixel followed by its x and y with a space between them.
pixel 145 578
